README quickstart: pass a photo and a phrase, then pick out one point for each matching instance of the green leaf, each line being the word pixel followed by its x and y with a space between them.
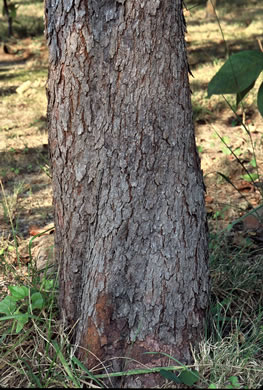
pixel 37 301
pixel 225 139
pixel 200 149
pixel 19 292
pixel 189 377
pixel 212 386
pixel 12 10
pixel 242 94
pixel 234 381
pixel 260 99
pixel 48 284
pixel 8 305
pixel 250 177
pixel 237 74
pixel 170 376
pixel 21 321
pixel 226 150
pixel 253 162
pixel 238 151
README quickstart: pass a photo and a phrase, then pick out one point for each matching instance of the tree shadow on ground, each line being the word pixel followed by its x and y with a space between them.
pixel 16 162
pixel 22 173
pixel 7 91
pixel 13 62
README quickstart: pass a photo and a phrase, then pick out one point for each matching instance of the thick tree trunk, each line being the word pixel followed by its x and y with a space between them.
pixel 131 237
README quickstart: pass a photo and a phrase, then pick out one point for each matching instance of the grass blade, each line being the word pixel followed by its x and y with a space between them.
pixel 83 368
pixel 30 373
pixel 65 364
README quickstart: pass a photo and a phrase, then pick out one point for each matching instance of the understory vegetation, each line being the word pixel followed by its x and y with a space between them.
pixel 35 347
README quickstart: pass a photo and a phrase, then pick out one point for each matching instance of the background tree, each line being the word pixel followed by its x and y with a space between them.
pixel 8 13
pixel 131 237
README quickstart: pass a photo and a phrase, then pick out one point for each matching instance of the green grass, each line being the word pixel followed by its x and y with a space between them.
pixel 38 353
pixel 41 354
pixel 234 341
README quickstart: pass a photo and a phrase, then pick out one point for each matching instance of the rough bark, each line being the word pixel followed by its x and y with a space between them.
pixel 131 237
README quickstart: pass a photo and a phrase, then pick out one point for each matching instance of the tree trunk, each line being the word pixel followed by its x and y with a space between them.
pixel 131 235
pixel 9 18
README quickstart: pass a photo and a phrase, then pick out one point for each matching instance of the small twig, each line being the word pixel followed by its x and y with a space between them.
pixel 260 45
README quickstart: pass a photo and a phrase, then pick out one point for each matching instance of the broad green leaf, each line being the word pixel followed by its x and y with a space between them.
pixel 260 99
pixel 170 376
pixel 8 305
pixel 21 321
pixel 37 301
pixel 188 377
pixel 19 292
pixel 237 74
pixel 243 93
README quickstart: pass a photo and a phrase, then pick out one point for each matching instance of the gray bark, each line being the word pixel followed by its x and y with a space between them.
pixel 131 236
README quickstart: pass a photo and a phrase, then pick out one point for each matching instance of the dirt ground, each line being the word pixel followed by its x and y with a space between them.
pixel 26 194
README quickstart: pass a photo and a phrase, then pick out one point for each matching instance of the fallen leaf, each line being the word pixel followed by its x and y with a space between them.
pixel 251 223
pixel 34 230
pixel 209 199
pixel 245 185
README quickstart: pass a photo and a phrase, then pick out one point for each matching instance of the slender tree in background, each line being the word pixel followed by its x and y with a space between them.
pixel 131 236
pixel 7 13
